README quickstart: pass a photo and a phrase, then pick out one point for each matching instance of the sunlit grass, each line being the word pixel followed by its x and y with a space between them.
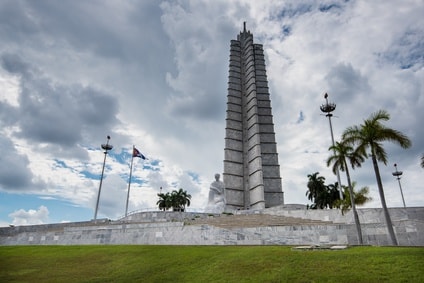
pixel 128 263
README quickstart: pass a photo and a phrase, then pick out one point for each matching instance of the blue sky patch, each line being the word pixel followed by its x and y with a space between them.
pixel 328 7
pixel 90 175
pixel 407 51
pixel 194 176
pixel 60 163
pixel 300 118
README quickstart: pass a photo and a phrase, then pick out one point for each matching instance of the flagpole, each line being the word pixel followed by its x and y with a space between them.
pixel 106 147
pixel 129 182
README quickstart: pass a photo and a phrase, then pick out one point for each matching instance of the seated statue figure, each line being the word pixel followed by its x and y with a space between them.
pixel 216 201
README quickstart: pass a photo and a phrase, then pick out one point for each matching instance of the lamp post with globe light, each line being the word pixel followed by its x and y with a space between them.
pixel 397 174
pixel 328 108
pixel 106 147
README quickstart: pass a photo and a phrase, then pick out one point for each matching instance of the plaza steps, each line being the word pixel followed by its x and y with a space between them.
pixel 254 220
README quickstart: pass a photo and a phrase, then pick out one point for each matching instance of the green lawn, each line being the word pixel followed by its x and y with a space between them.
pixel 209 264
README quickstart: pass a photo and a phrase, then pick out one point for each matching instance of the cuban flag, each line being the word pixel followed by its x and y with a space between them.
pixel 137 153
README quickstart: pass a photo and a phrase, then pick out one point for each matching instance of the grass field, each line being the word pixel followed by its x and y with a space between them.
pixel 209 264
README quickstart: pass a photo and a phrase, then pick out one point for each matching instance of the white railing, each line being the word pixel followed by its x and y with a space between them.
pixel 156 209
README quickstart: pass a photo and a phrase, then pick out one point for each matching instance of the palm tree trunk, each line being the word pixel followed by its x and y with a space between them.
pixel 383 200
pixel 352 203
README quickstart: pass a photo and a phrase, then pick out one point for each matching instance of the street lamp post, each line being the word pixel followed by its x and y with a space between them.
pixel 105 147
pixel 397 174
pixel 328 108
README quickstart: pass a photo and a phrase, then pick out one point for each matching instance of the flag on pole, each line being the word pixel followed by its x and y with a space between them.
pixel 137 153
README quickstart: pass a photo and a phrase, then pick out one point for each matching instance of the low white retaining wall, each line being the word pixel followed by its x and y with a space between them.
pixel 168 228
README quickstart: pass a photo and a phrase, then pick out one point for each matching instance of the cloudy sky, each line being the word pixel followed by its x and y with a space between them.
pixel 154 73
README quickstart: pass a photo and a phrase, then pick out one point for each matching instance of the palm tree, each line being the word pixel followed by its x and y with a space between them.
pixel 332 195
pixel 369 136
pixel 361 197
pixel 180 199
pixel 164 201
pixel 185 198
pixel 341 152
pixel 321 195
pixel 315 188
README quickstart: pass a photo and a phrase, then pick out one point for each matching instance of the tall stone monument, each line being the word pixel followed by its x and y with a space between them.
pixel 251 169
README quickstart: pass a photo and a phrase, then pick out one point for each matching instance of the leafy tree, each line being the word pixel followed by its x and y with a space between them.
pixel 321 195
pixel 341 153
pixel 422 161
pixel 368 137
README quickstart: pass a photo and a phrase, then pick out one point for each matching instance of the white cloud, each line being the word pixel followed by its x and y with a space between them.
pixel 30 217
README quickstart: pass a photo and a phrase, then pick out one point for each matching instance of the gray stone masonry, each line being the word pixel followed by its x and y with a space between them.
pixel 251 169
pixel 283 225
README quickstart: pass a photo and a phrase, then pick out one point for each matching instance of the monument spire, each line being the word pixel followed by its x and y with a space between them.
pixel 251 169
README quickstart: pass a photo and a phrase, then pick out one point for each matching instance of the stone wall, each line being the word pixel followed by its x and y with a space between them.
pixel 175 228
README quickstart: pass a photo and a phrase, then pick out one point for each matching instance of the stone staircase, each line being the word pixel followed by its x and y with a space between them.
pixel 253 220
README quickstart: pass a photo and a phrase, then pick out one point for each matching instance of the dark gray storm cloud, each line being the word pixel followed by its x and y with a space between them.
pixel 201 49
pixel 115 31
pixel 125 36
pixel 8 114
pixel 193 61
pixel 14 172
pixel 54 113
pixel 347 81
pixel 87 26
pixel 16 22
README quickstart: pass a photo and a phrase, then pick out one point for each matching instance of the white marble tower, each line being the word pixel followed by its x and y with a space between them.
pixel 251 169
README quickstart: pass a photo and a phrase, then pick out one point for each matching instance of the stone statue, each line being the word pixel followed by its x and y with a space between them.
pixel 216 201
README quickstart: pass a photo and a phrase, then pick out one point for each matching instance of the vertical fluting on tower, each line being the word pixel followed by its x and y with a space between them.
pixel 251 170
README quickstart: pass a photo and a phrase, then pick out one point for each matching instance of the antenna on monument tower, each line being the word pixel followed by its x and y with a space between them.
pixel 244 26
